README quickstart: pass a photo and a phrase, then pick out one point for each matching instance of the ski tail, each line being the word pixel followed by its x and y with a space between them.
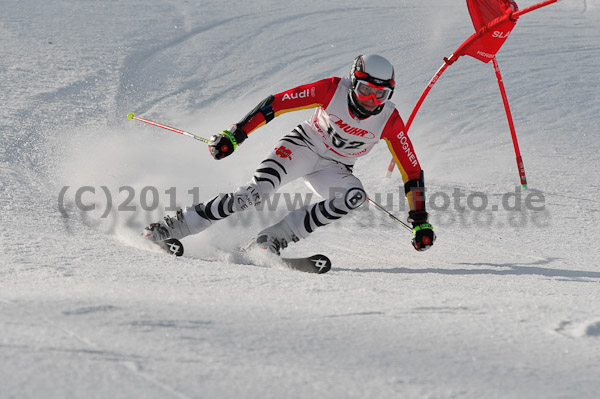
pixel 313 264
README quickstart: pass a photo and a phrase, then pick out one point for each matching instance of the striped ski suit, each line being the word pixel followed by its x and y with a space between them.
pixel 322 150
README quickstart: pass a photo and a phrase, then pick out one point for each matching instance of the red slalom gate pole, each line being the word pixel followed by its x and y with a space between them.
pixel 433 81
pixel 131 116
pixel 460 51
pixel 518 13
pixel 511 125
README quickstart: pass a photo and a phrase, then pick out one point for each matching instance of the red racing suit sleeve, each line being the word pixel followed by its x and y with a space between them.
pixel 403 152
pixel 311 95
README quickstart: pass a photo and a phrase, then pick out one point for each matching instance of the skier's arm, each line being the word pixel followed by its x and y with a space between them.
pixel 312 95
pixel 316 94
pixel 404 155
pixel 402 150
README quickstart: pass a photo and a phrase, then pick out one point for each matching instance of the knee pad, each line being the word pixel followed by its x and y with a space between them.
pixel 355 197
pixel 348 198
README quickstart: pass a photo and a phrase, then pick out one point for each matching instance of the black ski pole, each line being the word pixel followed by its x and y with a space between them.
pixel 394 218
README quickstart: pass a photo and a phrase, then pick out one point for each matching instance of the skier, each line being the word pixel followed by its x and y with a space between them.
pixel 352 115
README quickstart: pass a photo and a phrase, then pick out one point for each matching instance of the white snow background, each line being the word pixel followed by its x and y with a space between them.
pixel 505 305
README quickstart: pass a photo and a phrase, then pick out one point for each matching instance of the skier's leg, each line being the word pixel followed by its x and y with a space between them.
pixel 344 192
pixel 290 159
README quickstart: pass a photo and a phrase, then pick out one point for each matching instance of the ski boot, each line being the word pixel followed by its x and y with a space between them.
pixel 171 227
pixel 276 237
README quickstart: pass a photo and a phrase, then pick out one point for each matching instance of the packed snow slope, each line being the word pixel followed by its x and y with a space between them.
pixel 505 305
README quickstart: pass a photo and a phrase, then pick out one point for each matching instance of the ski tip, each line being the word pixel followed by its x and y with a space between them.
pixel 318 264
pixel 171 246
pixel 321 263
pixel 130 116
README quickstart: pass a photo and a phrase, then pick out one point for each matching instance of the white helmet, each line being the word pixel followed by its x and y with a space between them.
pixel 378 73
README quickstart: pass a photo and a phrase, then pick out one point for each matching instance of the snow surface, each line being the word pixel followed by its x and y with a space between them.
pixel 505 305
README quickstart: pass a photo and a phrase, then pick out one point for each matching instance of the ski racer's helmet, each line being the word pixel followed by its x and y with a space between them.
pixel 371 76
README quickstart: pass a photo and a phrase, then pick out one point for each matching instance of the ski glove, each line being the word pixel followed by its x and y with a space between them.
pixel 224 143
pixel 424 237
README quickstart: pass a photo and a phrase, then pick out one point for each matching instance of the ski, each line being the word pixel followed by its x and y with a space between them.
pixel 318 264
pixel 171 246
pixel 313 264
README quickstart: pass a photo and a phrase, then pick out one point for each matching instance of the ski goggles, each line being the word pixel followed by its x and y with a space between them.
pixel 365 90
